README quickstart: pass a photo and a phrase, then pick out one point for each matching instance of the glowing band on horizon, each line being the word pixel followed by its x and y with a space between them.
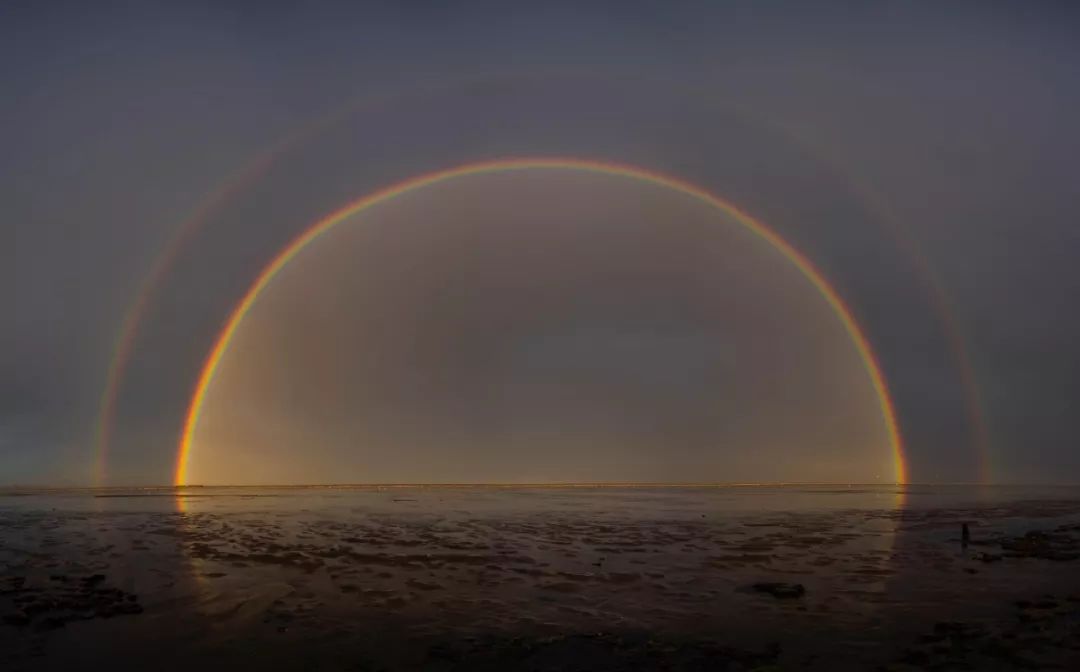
pixel 804 265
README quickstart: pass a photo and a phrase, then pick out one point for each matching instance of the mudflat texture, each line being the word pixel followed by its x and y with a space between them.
pixel 545 578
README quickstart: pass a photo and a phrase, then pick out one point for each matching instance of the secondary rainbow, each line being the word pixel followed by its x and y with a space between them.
pixel 843 313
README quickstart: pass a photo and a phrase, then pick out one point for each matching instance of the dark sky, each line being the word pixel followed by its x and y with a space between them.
pixel 922 155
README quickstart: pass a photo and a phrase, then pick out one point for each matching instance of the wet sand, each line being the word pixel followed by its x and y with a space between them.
pixel 484 578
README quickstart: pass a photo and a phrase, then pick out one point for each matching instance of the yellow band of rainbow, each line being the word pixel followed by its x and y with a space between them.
pixel 221 345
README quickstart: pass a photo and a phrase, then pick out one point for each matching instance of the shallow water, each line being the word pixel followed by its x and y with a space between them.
pixel 335 577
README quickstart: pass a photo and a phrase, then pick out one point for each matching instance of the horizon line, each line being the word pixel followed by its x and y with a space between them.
pixel 553 484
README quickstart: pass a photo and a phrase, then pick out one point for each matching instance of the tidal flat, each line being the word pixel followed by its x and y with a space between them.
pixel 756 577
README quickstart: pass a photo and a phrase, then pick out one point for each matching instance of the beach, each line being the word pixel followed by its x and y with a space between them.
pixel 541 578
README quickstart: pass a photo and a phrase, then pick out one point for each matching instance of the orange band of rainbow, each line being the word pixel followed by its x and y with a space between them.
pixel 811 273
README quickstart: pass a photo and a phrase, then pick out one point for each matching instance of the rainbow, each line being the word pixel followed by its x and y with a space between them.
pixel 128 332
pixel 928 279
pixel 843 313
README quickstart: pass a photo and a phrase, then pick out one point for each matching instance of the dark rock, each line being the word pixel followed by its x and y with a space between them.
pixel 17 618
pixel 52 622
pixel 443 652
pixel 955 630
pixel 128 608
pixel 780 590
pixel 38 607
pixel 1045 546
pixel 916 657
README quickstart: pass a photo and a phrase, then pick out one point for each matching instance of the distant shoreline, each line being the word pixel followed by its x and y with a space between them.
pixel 30 489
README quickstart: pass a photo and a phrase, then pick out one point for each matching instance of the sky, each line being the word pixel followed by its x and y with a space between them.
pixel 922 156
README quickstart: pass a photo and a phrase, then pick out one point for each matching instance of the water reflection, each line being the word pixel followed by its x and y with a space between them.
pixel 534 558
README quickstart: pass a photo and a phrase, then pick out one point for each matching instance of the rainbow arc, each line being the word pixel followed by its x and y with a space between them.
pixel 312 233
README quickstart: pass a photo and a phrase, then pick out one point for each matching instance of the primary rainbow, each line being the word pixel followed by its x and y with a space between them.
pixel 804 265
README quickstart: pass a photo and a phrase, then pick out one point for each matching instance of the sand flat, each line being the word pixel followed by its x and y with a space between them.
pixel 541 578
